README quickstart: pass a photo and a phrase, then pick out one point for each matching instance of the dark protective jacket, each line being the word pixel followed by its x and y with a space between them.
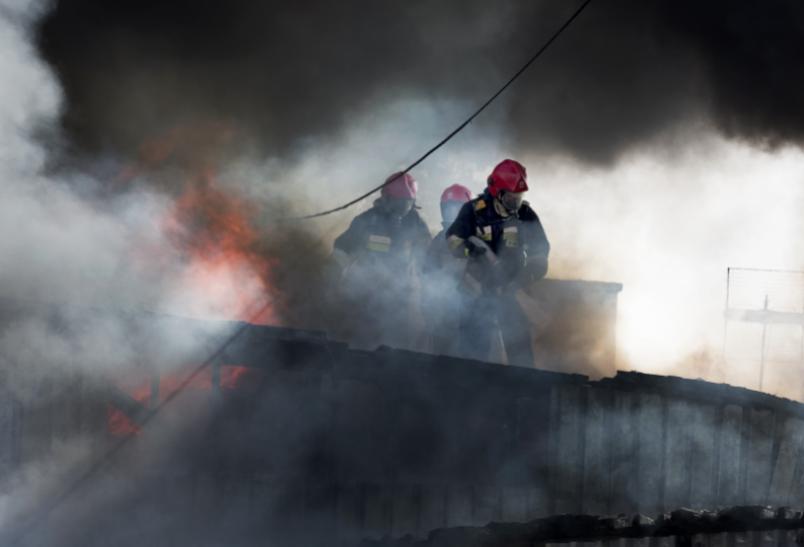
pixel 438 253
pixel 380 238
pixel 380 256
pixel 517 240
pixel 444 297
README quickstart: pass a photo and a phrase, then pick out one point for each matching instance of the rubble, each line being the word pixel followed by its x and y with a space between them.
pixel 683 523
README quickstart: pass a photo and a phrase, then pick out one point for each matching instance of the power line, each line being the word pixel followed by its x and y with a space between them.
pixel 466 122
pixel 98 465
pixel 52 504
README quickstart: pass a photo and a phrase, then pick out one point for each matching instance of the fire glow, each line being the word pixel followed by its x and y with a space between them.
pixel 232 377
pixel 214 232
pixel 224 274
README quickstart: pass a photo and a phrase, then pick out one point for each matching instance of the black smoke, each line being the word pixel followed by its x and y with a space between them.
pixel 625 74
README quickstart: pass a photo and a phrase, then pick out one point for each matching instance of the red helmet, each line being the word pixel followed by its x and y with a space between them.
pixel 510 176
pixel 400 186
pixel 456 192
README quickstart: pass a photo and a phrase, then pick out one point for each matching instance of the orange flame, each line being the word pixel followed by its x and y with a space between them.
pixel 215 231
pixel 232 378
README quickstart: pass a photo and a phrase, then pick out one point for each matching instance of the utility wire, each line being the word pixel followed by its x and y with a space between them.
pixel 460 128
pixel 52 504
pixel 110 454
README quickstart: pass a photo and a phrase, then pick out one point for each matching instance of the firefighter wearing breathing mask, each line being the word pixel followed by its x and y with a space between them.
pixel 444 296
pixel 506 248
pixel 379 257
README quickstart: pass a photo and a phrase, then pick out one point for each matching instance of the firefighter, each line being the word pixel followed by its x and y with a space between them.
pixel 379 257
pixel 507 249
pixel 443 272
pixel 452 199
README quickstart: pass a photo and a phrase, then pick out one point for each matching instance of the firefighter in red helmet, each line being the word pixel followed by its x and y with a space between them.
pixel 452 199
pixel 444 295
pixel 379 256
pixel 391 231
pixel 506 248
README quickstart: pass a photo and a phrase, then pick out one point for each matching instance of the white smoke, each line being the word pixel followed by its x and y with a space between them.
pixel 75 270
pixel 666 220
pixel 667 224
pixel 60 246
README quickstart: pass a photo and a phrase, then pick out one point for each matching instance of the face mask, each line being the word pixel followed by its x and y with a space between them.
pixel 512 201
pixel 399 207
pixel 449 211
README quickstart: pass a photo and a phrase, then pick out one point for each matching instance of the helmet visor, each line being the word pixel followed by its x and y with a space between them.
pixel 512 201
pixel 450 210
pixel 399 207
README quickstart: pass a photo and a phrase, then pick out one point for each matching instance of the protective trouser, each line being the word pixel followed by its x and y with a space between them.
pixel 489 315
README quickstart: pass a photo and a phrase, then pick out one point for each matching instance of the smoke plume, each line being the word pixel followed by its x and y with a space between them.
pixel 627 73
pixel 152 152
pixel 276 110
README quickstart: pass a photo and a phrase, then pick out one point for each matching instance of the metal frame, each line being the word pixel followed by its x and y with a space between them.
pixel 764 316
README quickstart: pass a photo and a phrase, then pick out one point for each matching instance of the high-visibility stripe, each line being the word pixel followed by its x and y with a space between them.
pixel 378 247
pixel 381 244
pixel 454 242
pixel 380 239
pixel 485 233
pixel 511 236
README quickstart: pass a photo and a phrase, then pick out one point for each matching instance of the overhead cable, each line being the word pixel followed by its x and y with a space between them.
pixel 460 128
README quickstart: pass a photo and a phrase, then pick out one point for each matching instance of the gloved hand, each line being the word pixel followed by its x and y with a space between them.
pixel 473 250
pixel 532 270
pixel 338 264
pixel 536 266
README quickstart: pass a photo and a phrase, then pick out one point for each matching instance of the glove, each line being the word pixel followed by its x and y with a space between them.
pixel 339 263
pixel 536 266
pixel 473 249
